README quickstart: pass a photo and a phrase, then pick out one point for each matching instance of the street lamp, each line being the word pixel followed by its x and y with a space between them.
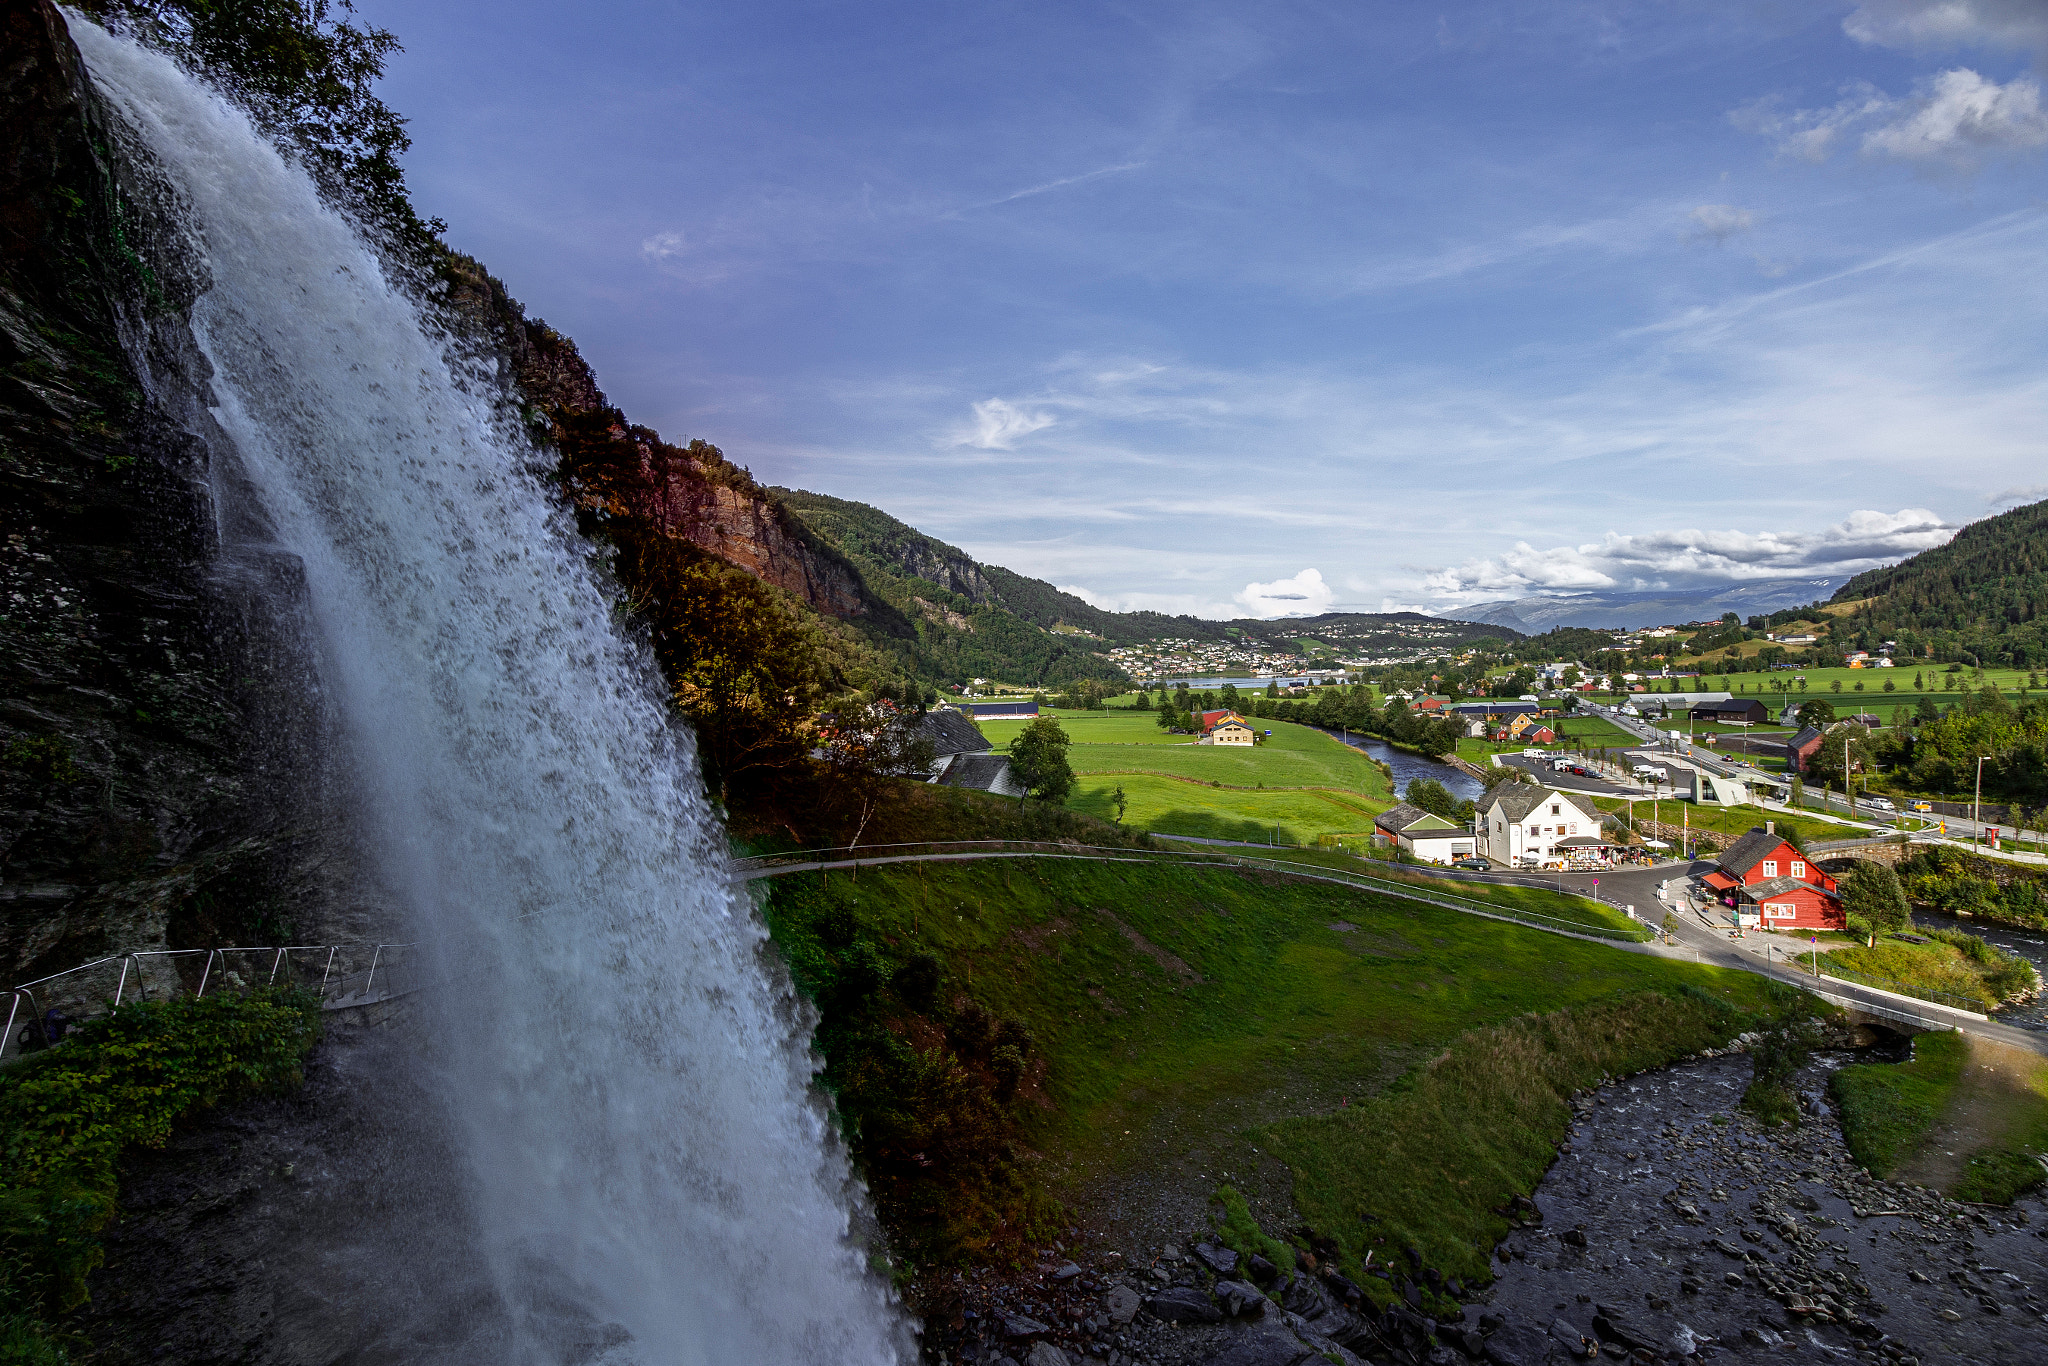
pixel 1977 797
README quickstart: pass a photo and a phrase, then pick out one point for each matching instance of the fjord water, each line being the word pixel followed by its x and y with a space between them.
pixel 627 1083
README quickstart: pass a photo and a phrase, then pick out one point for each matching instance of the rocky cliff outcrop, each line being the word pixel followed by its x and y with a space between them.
pixel 689 492
pixel 152 736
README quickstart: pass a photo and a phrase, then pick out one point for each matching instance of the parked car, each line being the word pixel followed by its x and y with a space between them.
pixel 1471 863
pixel 1920 806
pixel 1879 803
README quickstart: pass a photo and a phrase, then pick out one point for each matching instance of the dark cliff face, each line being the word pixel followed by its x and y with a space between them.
pixel 692 493
pixel 151 721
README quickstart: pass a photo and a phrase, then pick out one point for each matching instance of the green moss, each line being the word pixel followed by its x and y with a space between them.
pixel 1238 1231
pixel 1887 1108
pixel 123 1080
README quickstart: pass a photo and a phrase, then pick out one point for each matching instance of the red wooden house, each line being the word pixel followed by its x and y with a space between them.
pixel 1773 885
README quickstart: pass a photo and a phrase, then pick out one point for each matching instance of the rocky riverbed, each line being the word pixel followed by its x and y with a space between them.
pixel 1672 1228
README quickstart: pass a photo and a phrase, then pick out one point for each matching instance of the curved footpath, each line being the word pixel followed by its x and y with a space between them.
pixel 1697 940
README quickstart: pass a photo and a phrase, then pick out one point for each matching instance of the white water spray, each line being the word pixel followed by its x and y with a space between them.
pixel 629 1094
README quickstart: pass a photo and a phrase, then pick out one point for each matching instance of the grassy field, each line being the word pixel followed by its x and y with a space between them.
pixel 1173 806
pixel 1173 1009
pixel 1298 785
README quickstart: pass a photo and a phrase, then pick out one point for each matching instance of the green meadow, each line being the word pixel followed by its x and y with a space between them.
pixel 1296 786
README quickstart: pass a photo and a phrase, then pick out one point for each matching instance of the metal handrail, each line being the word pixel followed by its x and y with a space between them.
pixel 132 974
pixel 883 853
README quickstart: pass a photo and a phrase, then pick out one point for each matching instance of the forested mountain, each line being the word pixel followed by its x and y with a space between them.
pixel 948 622
pixel 1980 599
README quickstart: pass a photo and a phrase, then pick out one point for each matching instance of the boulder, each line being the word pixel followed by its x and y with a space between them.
pixel 1241 1299
pixel 1121 1304
pixel 1517 1344
pixel 1261 1270
pixel 1571 1339
pixel 1017 1326
pixel 1183 1304
pixel 1217 1258
pixel 1262 1347
pixel 1614 1326
pixel 1045 1354
pixel 1067 1272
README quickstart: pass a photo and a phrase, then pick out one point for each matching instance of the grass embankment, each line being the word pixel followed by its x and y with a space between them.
pixel 68 1114
pixel 1148 1004
pixel 1959 968
pixel 1293 788
pixel 1965 1115
pixel 1428 1163
pixel 1888 1108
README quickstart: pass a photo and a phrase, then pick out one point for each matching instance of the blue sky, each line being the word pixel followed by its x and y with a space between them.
pixel 1249 308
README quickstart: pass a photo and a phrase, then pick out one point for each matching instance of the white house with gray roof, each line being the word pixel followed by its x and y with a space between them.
pixel 1526 823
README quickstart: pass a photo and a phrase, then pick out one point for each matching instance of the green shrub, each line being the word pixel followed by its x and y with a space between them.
pixel 123 1080
pixel 1774 1060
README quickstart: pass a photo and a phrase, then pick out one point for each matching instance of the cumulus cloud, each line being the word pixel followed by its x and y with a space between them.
pixel 1949 23
pixel 664 246
pixel 1960 116
pixel 999 425
pixel 1954 120
pixel 1304 595
pixel 1719 222
pixel 1681 559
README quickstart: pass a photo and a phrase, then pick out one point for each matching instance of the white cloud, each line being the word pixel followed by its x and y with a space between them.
pixel 2030 493
pixel 1719 222
pixel 1304 595
pixel 664 246
pixel 1960 116
pixel 1680 559
pixel 1953 120
pixel 1949 23
pixel 1812 134
pixel 998 425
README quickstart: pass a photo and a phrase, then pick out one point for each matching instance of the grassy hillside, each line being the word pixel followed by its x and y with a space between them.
pixel 1169 1009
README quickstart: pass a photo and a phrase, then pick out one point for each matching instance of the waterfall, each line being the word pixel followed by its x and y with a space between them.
pixel 627 1083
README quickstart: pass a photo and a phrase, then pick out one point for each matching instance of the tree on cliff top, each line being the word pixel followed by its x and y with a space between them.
pixel 309 71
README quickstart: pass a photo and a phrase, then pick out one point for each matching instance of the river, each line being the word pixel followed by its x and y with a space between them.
pixel 2031 945
pixel 1408 767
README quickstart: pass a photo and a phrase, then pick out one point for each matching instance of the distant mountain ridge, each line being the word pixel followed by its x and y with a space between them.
pixel 1632 610
pixel 968 619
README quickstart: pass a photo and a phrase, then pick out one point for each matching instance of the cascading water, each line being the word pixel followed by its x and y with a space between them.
pixel 628 1093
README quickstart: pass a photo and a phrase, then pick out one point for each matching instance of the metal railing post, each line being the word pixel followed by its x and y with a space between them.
pixel 205 973
pixel 332 950
pixel 369 980
pixel 273 966
pixel 126 959
pixel 7 1037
